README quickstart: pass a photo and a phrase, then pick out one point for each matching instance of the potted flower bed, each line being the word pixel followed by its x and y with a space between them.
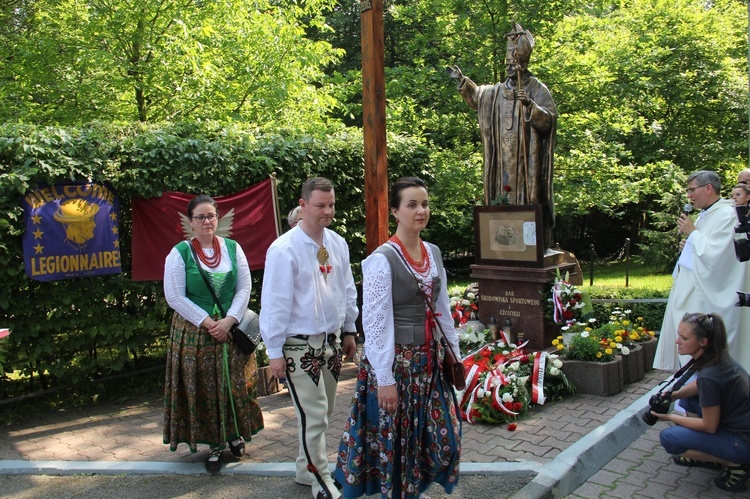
pixel 618 333
pixel 591 364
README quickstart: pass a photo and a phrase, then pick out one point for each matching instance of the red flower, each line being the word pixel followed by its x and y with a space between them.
pixel 495 405
pixel 517 406
pixel 512 427
pixel 506 188
pixel 572 303
pixel 524 359
pixel 568 314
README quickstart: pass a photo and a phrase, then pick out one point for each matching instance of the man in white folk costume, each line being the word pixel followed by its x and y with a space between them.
pixel 307 320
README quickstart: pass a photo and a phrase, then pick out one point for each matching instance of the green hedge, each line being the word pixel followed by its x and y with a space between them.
pixel 68 333
pixel 652 313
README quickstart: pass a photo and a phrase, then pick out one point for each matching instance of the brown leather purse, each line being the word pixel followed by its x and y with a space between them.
pixel 453 368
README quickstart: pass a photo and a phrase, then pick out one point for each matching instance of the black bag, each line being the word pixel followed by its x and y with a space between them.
pixel 246 333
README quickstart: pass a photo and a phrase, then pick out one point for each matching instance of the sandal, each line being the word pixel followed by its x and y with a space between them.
pixel 686 461
pixel 213 463
pixel 732 478
pixel 237 446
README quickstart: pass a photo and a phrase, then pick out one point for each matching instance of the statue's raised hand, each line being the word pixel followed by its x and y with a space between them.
pixel 454 72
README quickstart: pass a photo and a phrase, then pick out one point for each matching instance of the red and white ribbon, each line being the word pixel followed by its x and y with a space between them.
pixel 472 380
pixel 537 379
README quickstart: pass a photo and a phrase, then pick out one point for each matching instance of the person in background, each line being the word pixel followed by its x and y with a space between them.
pixel 308 304
pixel 715 432
pixel 707 275
pixel 741 195
pixel 206 397
pixel 294 217
pixel 403 432
pixel 744 177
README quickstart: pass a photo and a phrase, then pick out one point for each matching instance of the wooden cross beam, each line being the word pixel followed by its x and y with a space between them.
pixel 373 112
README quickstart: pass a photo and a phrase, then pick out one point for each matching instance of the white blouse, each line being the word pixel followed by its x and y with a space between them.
pixel 377 313
pixel 174 283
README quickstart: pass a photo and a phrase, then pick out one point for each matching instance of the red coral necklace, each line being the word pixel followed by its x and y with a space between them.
pixel 210 262
pixel 421 266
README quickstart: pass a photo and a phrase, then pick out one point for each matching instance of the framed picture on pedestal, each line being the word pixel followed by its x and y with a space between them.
pixel 509 235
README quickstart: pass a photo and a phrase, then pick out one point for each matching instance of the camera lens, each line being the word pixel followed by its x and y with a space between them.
pixel 649 418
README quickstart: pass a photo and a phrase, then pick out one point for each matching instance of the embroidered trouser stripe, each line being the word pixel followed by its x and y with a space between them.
pixel 312 377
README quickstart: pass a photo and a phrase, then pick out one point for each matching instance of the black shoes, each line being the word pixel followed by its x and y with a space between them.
pixel 732 478
pixel 686 461
pixel 237 446
pixel 213 463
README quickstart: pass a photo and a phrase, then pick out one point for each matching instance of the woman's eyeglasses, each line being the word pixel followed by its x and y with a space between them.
pixel 202 218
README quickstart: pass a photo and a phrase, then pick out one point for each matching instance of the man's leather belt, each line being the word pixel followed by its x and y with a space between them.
pixel 331 337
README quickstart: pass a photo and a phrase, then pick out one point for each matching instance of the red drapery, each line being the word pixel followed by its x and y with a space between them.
pixel 250 217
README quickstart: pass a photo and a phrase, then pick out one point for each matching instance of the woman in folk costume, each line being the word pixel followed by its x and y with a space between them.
pixel 206 399
pixel 404 430
pixel 707 275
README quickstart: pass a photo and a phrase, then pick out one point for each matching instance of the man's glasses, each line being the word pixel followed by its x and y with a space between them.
pixel 691 190
pixel 202 218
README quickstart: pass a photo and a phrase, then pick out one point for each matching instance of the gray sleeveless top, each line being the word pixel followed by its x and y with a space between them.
pixel 408 305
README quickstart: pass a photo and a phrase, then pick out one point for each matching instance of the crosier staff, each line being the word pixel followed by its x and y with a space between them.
pixel 523 99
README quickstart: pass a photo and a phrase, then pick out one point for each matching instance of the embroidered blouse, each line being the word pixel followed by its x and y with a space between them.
pixel 377 313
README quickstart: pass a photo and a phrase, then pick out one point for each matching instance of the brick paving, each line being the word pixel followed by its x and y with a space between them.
pixel 131 432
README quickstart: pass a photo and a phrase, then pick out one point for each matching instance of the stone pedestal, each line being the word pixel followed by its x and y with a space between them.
pixel 518 293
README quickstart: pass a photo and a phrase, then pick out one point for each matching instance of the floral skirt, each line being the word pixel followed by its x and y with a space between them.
pixel 197 408
pixel 400 455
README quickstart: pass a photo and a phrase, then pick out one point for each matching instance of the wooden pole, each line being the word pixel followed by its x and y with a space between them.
pixel 373 112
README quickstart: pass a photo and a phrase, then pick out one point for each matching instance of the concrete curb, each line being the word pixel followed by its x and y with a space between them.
pixel 579 462
pixel 62 468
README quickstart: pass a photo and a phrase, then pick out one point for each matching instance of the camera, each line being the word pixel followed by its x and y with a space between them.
pixel 742 246
pixel 660 404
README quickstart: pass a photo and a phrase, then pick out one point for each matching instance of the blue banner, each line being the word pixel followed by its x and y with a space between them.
pixel 72 230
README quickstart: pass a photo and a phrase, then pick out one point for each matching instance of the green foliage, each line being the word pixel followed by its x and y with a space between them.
pixel 645 91
pixel 652 313
pixel 147 60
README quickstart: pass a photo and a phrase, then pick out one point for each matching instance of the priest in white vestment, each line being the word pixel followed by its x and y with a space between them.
pixel 707 275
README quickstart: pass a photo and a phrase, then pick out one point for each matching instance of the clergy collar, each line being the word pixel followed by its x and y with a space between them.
pixel 710 205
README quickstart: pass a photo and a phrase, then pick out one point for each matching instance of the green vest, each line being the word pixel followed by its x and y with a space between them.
pixel 223 283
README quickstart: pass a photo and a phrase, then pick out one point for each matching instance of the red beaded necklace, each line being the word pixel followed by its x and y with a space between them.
pixel 423 265
pixel 210 262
